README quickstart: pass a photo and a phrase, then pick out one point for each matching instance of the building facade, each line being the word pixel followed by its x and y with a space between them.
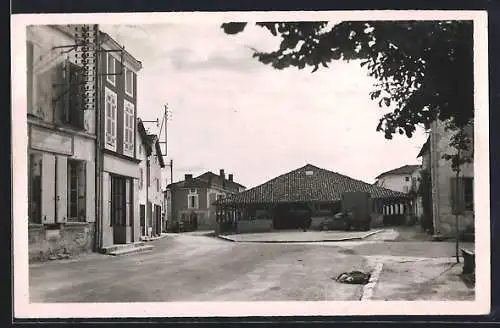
pixel 191 200
pixel 118 163
pixel 61 119
pixel 151 196
pixel 447 199
pixel 405 179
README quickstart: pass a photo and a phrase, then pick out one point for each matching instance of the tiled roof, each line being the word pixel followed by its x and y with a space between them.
pixel 407 169
pixel 202 182
pixel 308 183
pixel 425 148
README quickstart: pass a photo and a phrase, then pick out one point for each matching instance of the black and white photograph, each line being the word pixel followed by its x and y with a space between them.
pixel 222 164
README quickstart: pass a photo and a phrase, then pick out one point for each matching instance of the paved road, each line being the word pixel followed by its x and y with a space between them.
pixel 190 267
pixel 199 268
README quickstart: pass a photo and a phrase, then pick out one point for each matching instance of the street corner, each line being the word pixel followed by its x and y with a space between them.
pixel 423 279
pixel 301 236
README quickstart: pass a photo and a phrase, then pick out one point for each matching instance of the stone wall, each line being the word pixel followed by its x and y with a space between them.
pixel 70 238
pixel 444 219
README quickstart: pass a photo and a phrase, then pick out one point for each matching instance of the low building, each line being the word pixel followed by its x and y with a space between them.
pixel 405 179
pixel 150 175
pixel 190 200
pixel 282 202
pixel 446 200
pixel 61 141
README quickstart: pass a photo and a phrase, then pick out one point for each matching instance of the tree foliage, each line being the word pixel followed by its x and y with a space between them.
pixel 424 69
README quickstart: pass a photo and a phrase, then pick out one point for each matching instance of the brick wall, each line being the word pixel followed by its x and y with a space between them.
pixel 71 238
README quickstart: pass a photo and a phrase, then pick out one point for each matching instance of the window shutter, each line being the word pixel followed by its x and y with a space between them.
pixel 128 201
pixel 90 190
pixel 457 195
pixel 62 188
pixel 48 188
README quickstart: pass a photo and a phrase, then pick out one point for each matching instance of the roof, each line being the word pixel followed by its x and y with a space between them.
pixel 201 181
pixel 156 141
pixel 403 170
pixel 127 56
pixel 425 148
pixel 148 140
pixel 297 186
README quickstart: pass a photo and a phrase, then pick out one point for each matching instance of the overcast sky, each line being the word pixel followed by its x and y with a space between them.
pixel 230 111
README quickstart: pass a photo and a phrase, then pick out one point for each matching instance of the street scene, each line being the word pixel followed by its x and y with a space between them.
pixel 269 161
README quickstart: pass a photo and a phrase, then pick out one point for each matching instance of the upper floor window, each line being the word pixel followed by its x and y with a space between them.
pixel 192 190
pixel 141 177
pixel 128 128
pixel 110 124
pixel 192 201
pixel 407 179
pixel 70 95
pixel 129 82
pixel 110 69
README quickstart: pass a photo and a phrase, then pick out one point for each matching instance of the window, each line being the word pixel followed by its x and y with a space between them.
pixel 469 193
pixel 110 118
pixel 29 76
pixel 76 191
pixel 407 179
pixel 35 188
pixel 192 190
pixel 140 149
pixel 111 69
pixel 405 188
pixel 70 95
pixel 141 178
pixel 192 201
pixel 129 82
pixel 158 185
pixel 462 198
pixel 128 129
pixel 220 196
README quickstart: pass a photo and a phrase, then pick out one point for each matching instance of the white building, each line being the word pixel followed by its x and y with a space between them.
pixel 61 121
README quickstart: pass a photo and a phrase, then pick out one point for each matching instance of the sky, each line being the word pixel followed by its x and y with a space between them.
pixel 231 112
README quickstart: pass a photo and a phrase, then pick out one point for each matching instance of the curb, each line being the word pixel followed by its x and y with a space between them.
pixel 300 241
pixel 370 286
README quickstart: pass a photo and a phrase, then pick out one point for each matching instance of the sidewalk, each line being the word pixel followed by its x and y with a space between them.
pixel 420 279
pixel 299 236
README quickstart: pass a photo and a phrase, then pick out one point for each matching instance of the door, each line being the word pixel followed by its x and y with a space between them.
pixel 118 209
pixel 158 219
pixel 142 214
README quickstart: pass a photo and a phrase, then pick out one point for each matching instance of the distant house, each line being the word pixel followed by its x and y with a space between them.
pixel 190 200
pixel 402 179
pixel 281 203
pixel 405 179
pixel 151 206
pixel 445 200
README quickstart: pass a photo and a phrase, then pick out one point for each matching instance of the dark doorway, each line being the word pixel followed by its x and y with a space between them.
pixel 291 216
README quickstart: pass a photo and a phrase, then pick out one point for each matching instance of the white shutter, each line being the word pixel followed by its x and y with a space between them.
pixel 62 188
pixel 48 188
pixel 90 191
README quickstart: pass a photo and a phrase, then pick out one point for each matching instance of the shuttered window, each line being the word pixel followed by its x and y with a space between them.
pixel 462 194
pixel 110 118
pixel 29 75
pixel 128 128
pixel 129 82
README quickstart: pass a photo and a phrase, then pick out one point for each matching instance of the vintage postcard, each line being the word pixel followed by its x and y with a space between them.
pixel 250 164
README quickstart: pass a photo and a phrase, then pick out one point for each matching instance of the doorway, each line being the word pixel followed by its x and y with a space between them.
pixel 121 208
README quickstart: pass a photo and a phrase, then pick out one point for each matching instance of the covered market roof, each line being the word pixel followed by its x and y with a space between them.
pixel 305 184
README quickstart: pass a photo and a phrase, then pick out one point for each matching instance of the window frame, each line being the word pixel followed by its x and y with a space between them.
pixel 126 79
pixel 80 189
pixel 128 113
pixel 196 197
pixel 112 118
pixel 110 76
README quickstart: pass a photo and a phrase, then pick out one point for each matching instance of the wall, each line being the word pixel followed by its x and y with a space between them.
pixel 258 225
pixel 441 183
pixel 397 182
pixel 72 239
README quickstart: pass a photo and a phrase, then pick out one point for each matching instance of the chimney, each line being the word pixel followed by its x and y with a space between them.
pixel 188 177
pixel 222 174
pixel 230 177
